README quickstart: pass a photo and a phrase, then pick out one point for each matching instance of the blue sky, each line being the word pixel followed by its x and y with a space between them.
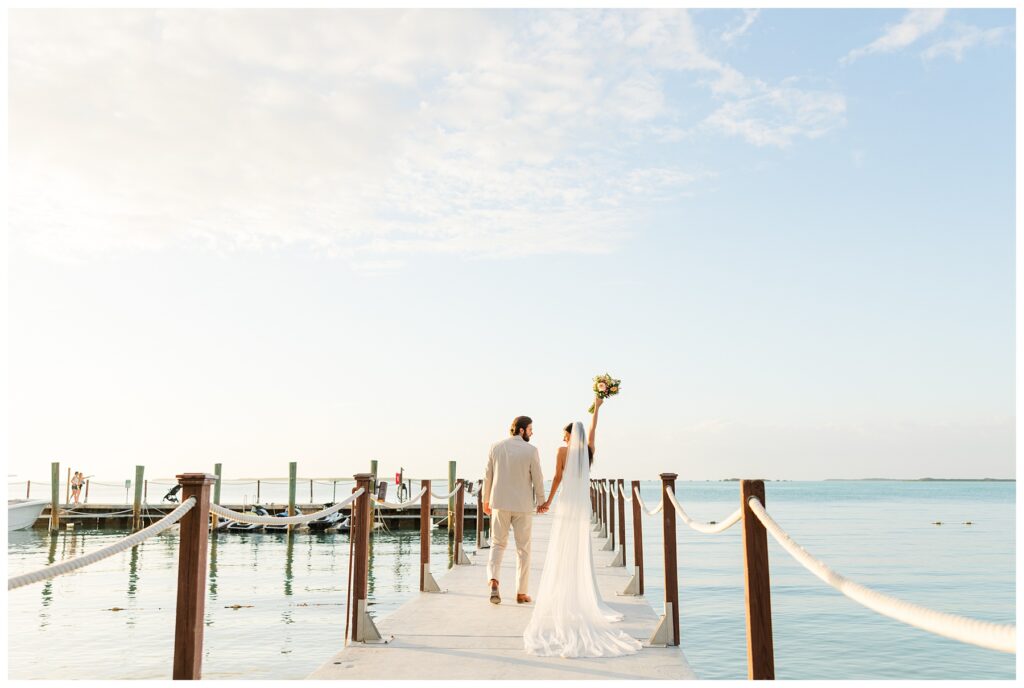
pixel 254 238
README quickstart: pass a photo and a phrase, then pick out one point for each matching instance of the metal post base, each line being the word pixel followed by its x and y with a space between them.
pixel 663 636
pixel 366 630
pixel 620 557
pixel 604 531
pixel 633 586
pixel 429 584
pixel 461 557
pixel 608 546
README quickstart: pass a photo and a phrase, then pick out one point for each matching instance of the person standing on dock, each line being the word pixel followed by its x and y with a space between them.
pixel 76 485
pixel 513 487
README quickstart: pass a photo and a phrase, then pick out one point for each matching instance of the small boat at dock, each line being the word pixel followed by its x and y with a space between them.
pixel 22 513
pixel 329 521
pixel 238 526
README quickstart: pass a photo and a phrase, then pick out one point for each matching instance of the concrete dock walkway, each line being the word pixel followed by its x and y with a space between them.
pixel 461 635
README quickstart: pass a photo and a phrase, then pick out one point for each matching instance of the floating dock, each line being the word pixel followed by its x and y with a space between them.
pixel 459 634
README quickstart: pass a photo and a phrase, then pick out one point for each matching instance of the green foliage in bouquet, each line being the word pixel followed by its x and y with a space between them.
pixel 605 386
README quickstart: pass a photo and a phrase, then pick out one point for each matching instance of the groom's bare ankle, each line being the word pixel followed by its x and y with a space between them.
pixel 494 582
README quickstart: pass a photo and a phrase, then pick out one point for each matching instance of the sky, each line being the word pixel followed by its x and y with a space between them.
pixel 330 236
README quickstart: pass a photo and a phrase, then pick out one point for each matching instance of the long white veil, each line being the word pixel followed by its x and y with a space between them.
pixel 570 619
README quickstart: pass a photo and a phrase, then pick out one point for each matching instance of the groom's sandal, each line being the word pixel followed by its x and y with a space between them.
pixel 523 599
pixel 495 597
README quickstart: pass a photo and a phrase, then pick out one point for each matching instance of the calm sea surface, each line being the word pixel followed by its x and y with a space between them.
pixel 115 619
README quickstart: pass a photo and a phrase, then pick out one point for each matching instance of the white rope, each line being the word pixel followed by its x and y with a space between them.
pixel 700 526
pixel 445 496
pixel 55 570
pixel 650 512
pixel 282 520
pixel 403 505
pixel 1002 637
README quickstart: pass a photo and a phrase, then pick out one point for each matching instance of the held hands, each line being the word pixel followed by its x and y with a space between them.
pixel 543 508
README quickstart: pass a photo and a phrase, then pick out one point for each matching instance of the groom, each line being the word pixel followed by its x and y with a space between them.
pixel 513 486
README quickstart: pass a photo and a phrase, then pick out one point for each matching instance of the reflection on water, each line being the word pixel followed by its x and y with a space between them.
pixel 212 565
pixel 51 557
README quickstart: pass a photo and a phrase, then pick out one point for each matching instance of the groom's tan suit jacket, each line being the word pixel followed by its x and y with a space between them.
pixel 513 480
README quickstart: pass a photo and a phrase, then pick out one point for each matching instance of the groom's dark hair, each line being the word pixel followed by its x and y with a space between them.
pixel 520 424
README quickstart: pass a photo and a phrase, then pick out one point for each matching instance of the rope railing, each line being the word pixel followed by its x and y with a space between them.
pixel 643 506
pixel 70 565
pixel 282 520
pixel 1001 637
pixel 711 527
pixel 444 496
pixel 413 501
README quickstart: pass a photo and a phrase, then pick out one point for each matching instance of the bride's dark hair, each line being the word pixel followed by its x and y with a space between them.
pixel 568 429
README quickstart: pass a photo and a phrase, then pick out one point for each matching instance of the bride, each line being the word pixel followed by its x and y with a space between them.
pixel 570 619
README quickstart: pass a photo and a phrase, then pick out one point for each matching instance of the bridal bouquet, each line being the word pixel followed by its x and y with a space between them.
pixel 605 386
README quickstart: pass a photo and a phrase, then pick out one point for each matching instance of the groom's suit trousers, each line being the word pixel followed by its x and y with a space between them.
pixel 521 523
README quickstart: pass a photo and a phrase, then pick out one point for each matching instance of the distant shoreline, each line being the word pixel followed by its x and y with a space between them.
pixel 892 480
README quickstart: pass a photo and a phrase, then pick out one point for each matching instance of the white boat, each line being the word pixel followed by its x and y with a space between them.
pixel 22 513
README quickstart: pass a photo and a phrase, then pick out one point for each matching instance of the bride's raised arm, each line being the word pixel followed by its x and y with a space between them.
pixel 593 424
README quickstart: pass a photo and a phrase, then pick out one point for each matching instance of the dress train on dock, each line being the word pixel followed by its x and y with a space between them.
pixel 569 618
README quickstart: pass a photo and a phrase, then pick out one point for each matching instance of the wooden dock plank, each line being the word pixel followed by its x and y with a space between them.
pixel 461 635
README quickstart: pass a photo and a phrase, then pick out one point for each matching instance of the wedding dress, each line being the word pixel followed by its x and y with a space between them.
pixel 569 617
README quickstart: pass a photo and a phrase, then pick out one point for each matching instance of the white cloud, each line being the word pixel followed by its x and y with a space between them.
pixel 913 25
pixel 749 16
pixel 965 37
pixel 361 134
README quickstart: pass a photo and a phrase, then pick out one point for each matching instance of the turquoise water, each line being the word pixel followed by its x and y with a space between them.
pixel 291 593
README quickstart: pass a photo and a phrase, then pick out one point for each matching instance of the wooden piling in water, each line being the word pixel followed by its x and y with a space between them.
pixel 638 539
pixel 668 520
pixel 86 491
pixel 293 471
pixel 67 488
pixel 137 504
pixel 757 586
pixel 425 523
pixel 257 490
pixel 310 490
pixel 54 496
pixel 191 598
pixel 451 500
pixel 28 490
pixel 217 471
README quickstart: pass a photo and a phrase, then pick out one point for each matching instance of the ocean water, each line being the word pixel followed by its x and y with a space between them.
pixel 275 606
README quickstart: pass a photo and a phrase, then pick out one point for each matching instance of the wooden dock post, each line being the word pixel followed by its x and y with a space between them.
pixel 293 471
pixel 427 582
pixel 28 490
pixel 667 632
pixel 609 545
pixel 145 491
pixel 54 496
pixel 451 500
pixel 760 651
pixel 460 523
pixel 310 490
pixel 363 628
pixel 192 555
pixel 67 488
pixel 257 490
pixel 373 471
pixel 137 504
pixel 86 491
pixel 481 541
pixel 636 583
pixel 620 555
pixel 216 494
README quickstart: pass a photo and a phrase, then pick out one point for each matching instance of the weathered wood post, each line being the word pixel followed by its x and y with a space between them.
pixel 86 491
pixel 481 541
pixel 760 651
pixel 636 583
pixel 451 500
pixel 427 582
pixel 667 632
pixel 293 471
pixel 620 555
pixel 610 545
pixel 217 468
pixel 192 554
pixel 145 491
pixel 257 490
pixel 373 471
pixel 310 490
pixel 54 496
pixel 28 490
pixel 137 504
pixel 67 488
pixel 363 628
pixel 460 523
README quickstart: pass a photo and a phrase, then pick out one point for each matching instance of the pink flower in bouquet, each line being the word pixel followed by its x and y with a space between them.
pixel 602 386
